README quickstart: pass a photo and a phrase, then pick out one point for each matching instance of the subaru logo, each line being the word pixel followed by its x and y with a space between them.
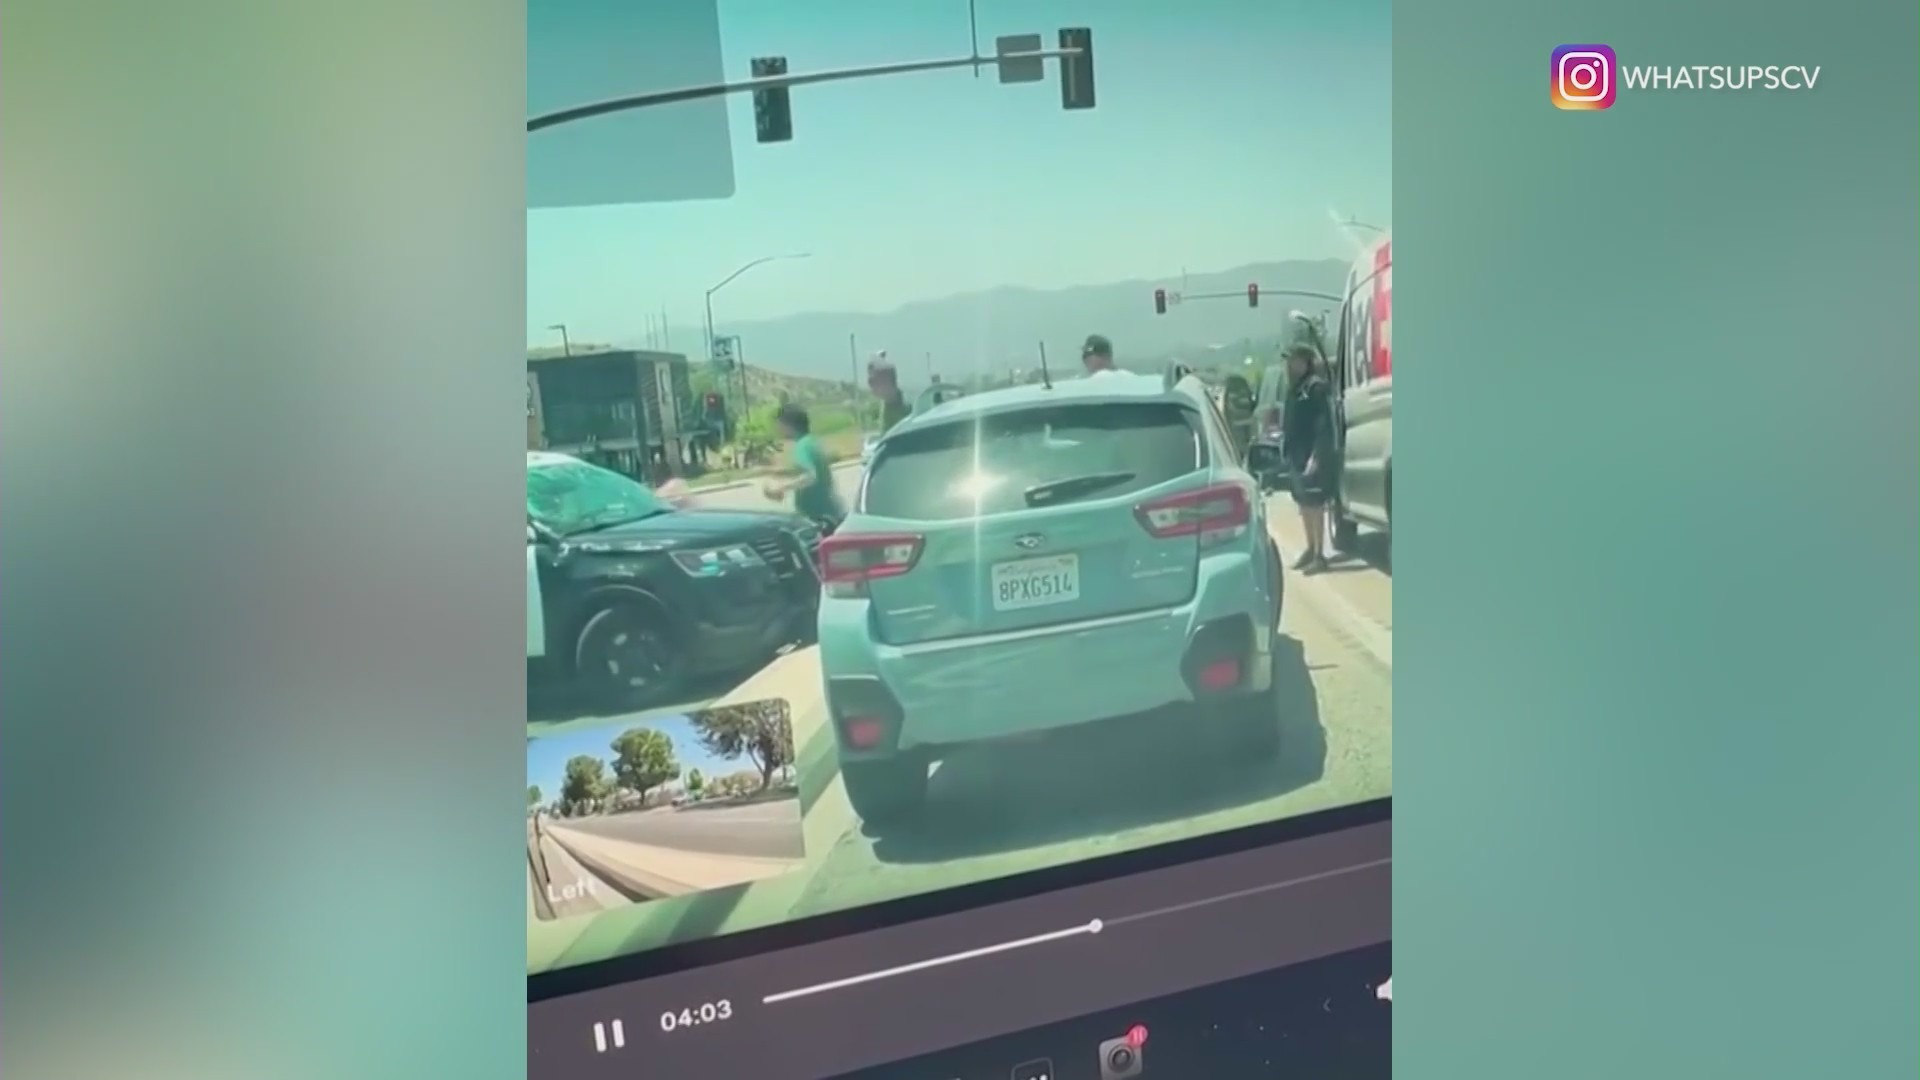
pixel 1029 541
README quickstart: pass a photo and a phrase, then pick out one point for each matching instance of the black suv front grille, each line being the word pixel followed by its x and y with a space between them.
pixel 778 554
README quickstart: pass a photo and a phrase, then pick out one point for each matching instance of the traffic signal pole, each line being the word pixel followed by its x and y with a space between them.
pixel 1181 298
pixel 778 82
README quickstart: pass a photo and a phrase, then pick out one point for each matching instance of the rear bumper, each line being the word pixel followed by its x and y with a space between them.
pixel 976 689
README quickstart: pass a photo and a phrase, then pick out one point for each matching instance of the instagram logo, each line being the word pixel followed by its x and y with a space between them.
pixel 1583 77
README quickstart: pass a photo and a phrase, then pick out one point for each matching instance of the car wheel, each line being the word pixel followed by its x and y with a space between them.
pixel 886 793
pixel 625 657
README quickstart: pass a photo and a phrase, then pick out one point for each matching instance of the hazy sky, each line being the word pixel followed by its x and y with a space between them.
pixel 1227 132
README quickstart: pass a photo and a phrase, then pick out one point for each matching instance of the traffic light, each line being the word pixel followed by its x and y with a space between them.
pixel 1159 301
pixel 713 403
pixel 1076 72
pixel 1253 295
pixel 772 109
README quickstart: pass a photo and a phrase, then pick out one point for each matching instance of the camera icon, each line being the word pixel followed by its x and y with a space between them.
pixel 1585 76
pixel 1120 1059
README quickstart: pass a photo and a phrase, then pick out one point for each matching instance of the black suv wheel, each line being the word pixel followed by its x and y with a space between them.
pixel 625 656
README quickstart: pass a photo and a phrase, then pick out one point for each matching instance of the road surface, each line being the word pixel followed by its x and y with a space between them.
pixel 763 830
pixel 1005 810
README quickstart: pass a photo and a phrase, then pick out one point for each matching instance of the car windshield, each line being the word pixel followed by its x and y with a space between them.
pixel 575 497
pixel 1031 458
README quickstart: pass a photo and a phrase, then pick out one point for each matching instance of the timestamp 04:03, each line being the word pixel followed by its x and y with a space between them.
pixel 709 1012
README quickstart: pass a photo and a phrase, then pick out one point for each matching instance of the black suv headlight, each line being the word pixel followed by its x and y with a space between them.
pixel 718 561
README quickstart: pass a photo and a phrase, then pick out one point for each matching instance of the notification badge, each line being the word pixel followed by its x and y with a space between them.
pixel 1583 77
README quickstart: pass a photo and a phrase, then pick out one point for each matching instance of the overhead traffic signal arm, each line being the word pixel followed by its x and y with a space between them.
pixel 1252 295
pixel 771 83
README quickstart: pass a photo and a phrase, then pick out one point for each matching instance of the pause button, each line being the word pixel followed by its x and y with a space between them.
pixel 602 1044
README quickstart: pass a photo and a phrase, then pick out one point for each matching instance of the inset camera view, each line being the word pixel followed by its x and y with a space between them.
pixel 1023 421
pixel 627 812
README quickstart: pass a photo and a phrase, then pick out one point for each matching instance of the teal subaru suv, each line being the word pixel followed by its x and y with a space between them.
pixel 1042 557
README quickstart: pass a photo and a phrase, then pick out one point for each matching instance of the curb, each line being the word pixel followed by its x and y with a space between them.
pixel 542 907
pixel 640 886
pixel 1362 631
pixel 632 888
pixel 542 876
pixel 1345 619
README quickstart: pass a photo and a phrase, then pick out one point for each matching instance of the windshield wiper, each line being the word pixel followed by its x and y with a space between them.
pixel 616 522
pixel 1074 487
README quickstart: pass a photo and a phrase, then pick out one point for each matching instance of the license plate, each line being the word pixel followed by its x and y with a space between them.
pixel 1031 583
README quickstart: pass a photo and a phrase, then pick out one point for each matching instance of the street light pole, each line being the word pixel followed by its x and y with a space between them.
pixel 723 283
pixel 740 360
pixel 566 345
pixel 853 365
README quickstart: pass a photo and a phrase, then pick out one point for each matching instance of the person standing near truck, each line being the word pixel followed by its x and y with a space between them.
pixel 884 380
pixel 1307 443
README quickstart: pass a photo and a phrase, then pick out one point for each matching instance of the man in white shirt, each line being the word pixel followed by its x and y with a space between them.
pixel 1097 355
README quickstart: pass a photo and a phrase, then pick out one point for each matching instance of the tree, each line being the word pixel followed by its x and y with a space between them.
pixel 758 425
pixel 643 760
pixel 696 782
pixel 761 731
pixel 742 783
pixel 533 795
pixel 583 784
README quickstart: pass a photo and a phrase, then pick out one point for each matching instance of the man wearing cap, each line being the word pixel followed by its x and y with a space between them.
pixel 1097 355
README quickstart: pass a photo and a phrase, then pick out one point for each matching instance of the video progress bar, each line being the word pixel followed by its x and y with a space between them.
pixel 1092 926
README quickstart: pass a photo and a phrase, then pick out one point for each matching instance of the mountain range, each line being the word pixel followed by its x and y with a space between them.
pixel 999 329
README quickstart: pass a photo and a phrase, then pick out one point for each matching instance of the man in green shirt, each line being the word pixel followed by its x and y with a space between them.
pixel 811 477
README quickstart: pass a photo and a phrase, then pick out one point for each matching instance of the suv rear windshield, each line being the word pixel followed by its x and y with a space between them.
pixel 1042 456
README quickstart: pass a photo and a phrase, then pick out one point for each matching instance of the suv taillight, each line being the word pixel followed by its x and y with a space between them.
pixel 848 562
pixel 1270 421
pixel 1213 514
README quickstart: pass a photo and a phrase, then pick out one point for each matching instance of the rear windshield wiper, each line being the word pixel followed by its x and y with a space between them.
pixel 1074 487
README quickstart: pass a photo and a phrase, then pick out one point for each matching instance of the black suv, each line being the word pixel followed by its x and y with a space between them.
pixel 629 597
